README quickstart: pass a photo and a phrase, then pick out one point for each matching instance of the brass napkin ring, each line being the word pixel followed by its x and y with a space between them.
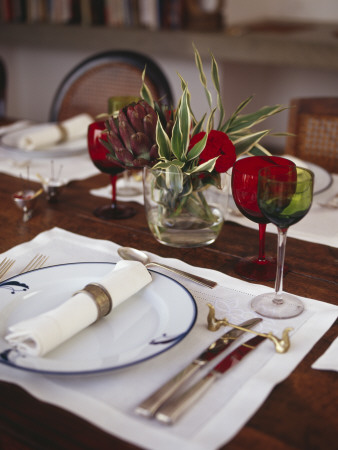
pixel 101 297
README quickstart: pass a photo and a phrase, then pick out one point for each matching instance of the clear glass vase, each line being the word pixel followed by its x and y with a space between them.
pixel 184 210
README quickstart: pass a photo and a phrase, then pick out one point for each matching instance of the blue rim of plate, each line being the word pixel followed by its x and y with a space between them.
pixel 12 283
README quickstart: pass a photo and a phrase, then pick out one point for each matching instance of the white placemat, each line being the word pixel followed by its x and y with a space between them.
pixel 329 359
pixel 108 400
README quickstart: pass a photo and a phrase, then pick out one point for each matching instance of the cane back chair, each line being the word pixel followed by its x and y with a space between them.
pixel 88 86
pixel 314 123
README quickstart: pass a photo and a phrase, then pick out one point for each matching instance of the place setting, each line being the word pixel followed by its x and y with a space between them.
pixel 24 144
pixel 157 331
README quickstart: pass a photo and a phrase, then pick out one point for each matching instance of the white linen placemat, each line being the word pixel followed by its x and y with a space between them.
pixel 329 359
pixel 108 399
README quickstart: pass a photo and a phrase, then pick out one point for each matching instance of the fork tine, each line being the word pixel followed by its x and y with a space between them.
pixel 5 265
pixel 36 262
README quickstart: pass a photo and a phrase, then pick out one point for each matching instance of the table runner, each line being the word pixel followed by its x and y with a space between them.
pixel 108 400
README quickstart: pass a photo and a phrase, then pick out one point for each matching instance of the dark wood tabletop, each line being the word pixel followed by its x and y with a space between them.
pixel 300 412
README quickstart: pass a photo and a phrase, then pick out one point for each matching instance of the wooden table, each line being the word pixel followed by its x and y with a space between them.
pixel 300 413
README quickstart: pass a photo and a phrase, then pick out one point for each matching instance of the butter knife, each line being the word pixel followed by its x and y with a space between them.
pixel 151 404
pixel 172 410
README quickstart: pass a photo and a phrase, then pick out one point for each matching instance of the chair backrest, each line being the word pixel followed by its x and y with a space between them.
pixel 113 73
pixel 314 122
pixel 3 88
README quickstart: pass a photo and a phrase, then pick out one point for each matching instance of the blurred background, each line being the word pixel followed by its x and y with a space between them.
pixel 272 49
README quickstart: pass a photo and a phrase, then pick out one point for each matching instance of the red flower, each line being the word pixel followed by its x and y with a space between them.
pixel 218 144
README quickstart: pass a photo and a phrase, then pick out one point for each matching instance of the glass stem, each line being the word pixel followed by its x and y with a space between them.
pixel 281 243
pixel 113 179
pixel 261 251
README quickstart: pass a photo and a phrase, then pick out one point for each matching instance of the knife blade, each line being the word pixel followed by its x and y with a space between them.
pixel 171 411
pixel 151 404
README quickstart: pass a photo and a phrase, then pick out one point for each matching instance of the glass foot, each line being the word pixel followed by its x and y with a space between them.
pixel 114 212
pixel 255 269
pixel 284 307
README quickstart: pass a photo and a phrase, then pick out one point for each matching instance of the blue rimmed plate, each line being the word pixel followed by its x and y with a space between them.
pixel 146 325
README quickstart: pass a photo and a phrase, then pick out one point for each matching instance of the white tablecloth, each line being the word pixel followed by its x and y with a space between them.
pixel 108 400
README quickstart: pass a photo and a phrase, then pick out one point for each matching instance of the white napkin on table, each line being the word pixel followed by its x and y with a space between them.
pixel 70 129
pixel 41 334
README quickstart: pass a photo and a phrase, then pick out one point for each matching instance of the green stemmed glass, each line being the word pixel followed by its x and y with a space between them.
pixel 284 196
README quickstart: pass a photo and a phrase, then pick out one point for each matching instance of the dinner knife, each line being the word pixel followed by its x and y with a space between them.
pixel 172 410
pixel 151 404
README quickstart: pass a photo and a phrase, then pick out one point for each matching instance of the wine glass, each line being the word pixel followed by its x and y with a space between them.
pixel 244 181
pixel 284 196
pixel 98 154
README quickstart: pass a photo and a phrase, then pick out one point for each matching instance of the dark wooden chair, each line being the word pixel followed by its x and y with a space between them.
pixel 89 85
pixel 3 88
pixel 314 122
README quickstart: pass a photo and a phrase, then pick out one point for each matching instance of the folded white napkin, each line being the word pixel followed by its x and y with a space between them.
pixel 14 126
pixel 70 129
pixel 329 359
pixel 41 334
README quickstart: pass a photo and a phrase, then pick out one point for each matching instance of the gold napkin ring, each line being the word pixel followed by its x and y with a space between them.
pixel 101 297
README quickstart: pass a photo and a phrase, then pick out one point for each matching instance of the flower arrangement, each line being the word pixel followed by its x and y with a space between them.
pixel 188 155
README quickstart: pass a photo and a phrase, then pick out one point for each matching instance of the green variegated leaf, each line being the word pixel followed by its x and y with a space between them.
pixel 163 142
pixel 210 124
pixel 174 179
pixel 184 87
pixel 145 91
pixel 259 150
pixel 205 167
pixel 246 143
pixel 199 126
pixel 215 79
pixel 168 164
pixel 250 120
pixel 176 140
pixel 202 76
pixel 197 148
pixel 239 108
pixel 184 118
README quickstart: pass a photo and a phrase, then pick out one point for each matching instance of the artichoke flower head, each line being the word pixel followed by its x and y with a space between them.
pixel 131 134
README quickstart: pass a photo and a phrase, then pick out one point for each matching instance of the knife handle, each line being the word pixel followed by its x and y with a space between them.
pixel 171 411
pixel 151 404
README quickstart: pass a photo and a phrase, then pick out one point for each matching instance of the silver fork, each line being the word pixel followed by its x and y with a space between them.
pixel 36 263
pixel 5 265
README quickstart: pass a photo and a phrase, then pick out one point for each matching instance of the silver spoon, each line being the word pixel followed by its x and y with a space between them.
pixel 132 254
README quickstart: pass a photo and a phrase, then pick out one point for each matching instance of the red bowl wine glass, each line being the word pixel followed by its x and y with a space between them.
pixel 98 154
pixel 244 182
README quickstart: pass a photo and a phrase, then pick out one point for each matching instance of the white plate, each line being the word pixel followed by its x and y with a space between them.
pixel 323 179
pixel 146 325
pixel 69 148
